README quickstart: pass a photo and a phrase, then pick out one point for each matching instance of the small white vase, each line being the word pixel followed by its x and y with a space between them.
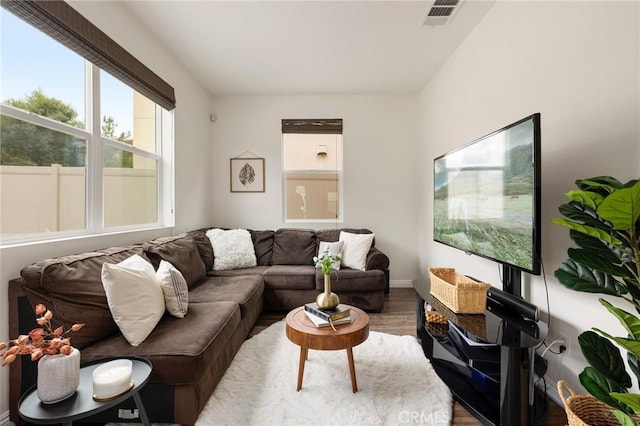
pixel 58 376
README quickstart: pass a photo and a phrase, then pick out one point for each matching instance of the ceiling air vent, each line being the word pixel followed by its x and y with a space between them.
pixel 440 12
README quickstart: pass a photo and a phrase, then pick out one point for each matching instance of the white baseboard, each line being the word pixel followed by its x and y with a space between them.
pixel 4 419
pixel 400 284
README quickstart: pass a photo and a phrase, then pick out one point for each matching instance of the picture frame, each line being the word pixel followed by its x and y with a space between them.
pixel 246 174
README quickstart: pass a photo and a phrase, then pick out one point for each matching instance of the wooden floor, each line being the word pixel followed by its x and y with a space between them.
pixel 399 317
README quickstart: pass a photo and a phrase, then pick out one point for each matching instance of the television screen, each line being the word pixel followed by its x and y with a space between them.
pixel 487 196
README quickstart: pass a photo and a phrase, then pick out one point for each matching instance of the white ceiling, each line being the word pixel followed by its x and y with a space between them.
pixel 307 47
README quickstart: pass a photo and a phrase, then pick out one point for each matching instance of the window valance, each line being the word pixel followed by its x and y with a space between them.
pixel 315 126
pixel 66 25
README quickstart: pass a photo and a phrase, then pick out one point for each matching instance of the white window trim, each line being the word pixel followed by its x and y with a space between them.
pixel 94 165
pixel 41 121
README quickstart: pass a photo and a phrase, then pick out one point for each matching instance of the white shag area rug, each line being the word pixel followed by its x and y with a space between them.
pixel 396 385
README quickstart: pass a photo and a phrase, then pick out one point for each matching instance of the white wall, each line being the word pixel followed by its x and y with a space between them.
pixel 192 153
pixel 575 62
pixel 578 64
pixel 380 167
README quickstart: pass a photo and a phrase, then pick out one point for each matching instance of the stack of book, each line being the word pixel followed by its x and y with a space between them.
pixel 341 314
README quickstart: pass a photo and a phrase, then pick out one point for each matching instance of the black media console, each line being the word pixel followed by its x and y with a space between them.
pixel 483 358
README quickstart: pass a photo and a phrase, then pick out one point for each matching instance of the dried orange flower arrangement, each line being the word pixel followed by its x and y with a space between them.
pixel 40 341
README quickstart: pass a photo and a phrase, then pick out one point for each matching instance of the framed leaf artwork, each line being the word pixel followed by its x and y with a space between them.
pixel 247 174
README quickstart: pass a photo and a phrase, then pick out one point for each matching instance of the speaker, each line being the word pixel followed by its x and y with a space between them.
pixel 513 304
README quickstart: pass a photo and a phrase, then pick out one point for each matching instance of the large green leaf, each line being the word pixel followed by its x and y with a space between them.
pixel 599 386
pixel 630 345
pixel 589 230
pixel 579 278
pixel 624 418
pixel 597 262
pixel 578 212
pixel 634 364
pixel 630 322
pixel 622 207
pixel 631 183
pixel 600 184
pixel 632 400
pixel 602 355
pixel 588 198
pixel 613 253
pixel 634 292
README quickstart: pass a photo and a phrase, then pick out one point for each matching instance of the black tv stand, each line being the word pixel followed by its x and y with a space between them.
pixel 492 379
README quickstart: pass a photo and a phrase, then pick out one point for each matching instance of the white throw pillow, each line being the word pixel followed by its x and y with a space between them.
pixel 175 289
pixel 134 297
pixel 334 249
pixel 232 249
pixel 355 249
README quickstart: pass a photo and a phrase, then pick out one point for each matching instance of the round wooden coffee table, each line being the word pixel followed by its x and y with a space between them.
pixel 301 331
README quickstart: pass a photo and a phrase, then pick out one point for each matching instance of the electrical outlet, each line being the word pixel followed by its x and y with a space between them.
pixel 555 346
pixel 562 347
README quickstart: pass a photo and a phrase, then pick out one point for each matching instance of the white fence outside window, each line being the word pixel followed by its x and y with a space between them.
pixel 53 198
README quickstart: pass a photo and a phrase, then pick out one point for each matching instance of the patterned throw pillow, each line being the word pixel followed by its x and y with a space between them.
pixel 174 287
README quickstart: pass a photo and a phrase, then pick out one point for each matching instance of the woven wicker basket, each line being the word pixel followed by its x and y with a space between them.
pixel 459 293
pixel 474 324
pixel 436 317
pixel 435 329
pixel 585 410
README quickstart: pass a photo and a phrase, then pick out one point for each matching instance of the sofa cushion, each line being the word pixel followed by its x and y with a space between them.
pixel 294 247
pixel 291 277
pixel 245 290
pixel 355 249
pixel 135 297
pixel 174 288
pixel 178 348
pixel 256 270
pixel 352 280
pixel 334 234
pixel 71 287
pixel 263 246
pixel 204 246
pixel 232 249
pixel 181 251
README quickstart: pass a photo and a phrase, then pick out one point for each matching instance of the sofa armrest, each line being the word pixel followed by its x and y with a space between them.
pixel 22 372
pixel 377 260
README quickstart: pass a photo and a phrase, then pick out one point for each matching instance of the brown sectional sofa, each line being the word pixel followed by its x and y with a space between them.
pixel 189 355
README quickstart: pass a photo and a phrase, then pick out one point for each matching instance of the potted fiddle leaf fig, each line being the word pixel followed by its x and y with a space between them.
pixel 603 217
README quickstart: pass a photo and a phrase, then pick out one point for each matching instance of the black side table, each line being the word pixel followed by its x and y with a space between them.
pixel 81 404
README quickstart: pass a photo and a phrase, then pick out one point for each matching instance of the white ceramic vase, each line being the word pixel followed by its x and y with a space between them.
pixel 58 376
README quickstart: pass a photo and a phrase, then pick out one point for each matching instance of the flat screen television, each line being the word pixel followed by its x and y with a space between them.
pixel 487 197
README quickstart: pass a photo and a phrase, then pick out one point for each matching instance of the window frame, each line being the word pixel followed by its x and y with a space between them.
pixel 338 172
pixel 94 167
